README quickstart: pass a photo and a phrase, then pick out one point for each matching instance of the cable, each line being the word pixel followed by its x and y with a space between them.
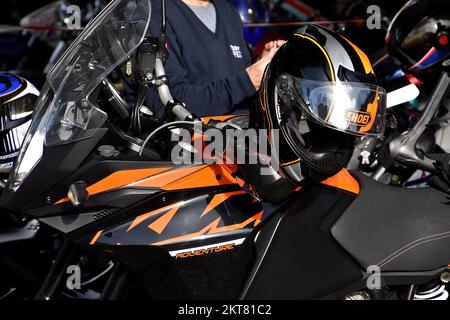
pixel 11 291
pixel 101 274
pixel 159 129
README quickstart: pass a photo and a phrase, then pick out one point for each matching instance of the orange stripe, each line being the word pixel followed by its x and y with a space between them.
pixel 144 216
pixel 218 199
pixel 207 177
pixel 206 120
pixel 62 201
pixel 159 225
pixel 256 219
pixel 289 163
pixel 163 179
pixel 95 238
pixel 364 59
pixel 344 181
pixel 122 178
pixel 372 108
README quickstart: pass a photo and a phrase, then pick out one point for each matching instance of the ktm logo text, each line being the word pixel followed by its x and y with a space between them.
pixel 358 118
pixel 201 252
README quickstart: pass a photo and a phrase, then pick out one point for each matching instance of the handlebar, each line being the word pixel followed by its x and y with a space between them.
pixel 173 106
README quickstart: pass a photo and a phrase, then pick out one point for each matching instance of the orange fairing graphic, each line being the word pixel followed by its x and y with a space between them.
pixel 171 210
pixel 122 178
pixel 213 228
pixel 164 178
pixel 158 181
pixel 344 181
pixel 119 179
pixel 210 176
pixel 206 120
pixel 220 198
pixel 95 238
pixel 188 178
pixel 160 224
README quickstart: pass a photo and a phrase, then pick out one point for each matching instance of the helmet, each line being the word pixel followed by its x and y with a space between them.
pixel 319 91
pixel 418 36
pixel 17 98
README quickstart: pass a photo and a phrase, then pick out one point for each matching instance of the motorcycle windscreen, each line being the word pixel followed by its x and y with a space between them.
pixel 353 107
pixel 104 44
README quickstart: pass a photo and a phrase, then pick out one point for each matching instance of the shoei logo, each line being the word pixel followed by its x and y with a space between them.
pixel 236 51
pixel 358 118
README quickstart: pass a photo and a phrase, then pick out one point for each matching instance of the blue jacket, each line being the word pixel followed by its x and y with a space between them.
pixel 206 70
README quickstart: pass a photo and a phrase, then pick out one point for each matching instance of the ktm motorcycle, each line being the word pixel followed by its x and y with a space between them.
pixel 136 224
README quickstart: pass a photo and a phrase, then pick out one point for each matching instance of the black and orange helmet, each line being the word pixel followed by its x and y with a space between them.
pixel 319 91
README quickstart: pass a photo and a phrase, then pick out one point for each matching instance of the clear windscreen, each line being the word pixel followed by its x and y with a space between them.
pixel 104 44
pixel 351 107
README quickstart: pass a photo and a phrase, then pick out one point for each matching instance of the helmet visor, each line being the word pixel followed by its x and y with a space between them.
pixel 353 107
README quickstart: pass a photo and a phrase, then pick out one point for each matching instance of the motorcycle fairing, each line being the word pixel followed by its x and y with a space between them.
pixel 200 194
pixel 194 224
pixel 165 178
pixel 296 256
pixel 323 245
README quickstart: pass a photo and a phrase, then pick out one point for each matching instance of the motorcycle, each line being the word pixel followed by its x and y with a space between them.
pixel 417 122
pixel 417 129
pixel 138 225
pixel 48 30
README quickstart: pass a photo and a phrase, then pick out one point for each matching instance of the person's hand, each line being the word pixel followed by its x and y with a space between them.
pixel 272 45
pixel 256 70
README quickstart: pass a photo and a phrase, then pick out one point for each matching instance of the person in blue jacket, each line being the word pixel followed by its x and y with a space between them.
pixel 209 65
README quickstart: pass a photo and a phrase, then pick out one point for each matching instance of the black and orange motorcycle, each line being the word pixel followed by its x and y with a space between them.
pixel 98 188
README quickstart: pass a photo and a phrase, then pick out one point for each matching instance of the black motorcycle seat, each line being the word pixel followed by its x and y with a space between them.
pixel 396 229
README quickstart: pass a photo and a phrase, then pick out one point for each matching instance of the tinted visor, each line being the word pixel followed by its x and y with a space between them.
pixel 351 107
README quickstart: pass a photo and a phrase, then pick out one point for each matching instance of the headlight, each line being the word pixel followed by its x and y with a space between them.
pixel 33 144
pixel 31 157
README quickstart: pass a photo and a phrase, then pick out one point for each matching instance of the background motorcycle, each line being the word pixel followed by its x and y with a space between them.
pixel 417 122
pixel 32 46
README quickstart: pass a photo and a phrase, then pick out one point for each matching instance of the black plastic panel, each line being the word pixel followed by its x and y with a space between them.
pixel 302 260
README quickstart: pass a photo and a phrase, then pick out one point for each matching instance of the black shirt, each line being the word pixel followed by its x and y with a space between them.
pixel 206 70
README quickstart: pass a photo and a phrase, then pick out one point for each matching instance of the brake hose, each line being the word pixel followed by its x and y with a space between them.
pixel 159 129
